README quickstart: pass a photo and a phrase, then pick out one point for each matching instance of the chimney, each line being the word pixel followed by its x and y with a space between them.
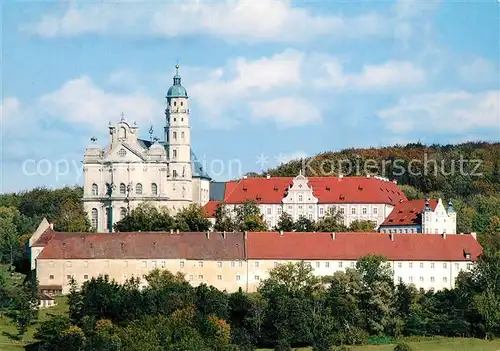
pixel 245 177
pixel 246 235
pixel 224 234
pixel 208 234
pixel 268 176
pixel 474 235
pixel 281 233
pixel 51 225
pixel 391 235
pixel 444 235
pixel 177 231
pixel 333 235
pixel 341 176
pixel 171 231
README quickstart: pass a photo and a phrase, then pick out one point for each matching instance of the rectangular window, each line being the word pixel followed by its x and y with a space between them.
pixel 410 265
pixel 317 264
pixel 269 210
pixel 257 278
pixel 276 264
pixel 327 264
pixel 85 276
pixel 340 264
pixel 353 210
pixel 200 277
pixel 153 264
pixel 432 265
pixel 200 264
pixel 51 264
pixel 233 264
pixel 190 277
pixel 238 277
pixel 410 279
pixel 86 263
pixel 174 153
pixel 445 265
pixel 240 263
pixel 279 210
pixel 353 264
pixel 144 264
pixel 364 210
pixel 400 264
pixel 68 264
pixel 342 210
pixel 51 277
pixel 219 277
pixel 181 264
pixel 445 279
pixel 163 264
pixel 257 265
pixel 321 211
pixel 421 265
pixel 457 266
pixel 219 264
pixel 421 279
pixel 375 211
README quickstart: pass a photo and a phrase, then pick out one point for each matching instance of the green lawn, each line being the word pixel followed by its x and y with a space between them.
pixel 6 327
pixel 433 344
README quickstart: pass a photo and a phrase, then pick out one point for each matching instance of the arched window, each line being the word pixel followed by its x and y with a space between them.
pixel 175 103
pixel 174 135
pixel 138 189
pixel 95 218
pixel 182 103
pixel 123 212
pixel 95 190
pixel 122 133
pixel 154 189
pixel 174 153
pixel 182 135
pixel 123 189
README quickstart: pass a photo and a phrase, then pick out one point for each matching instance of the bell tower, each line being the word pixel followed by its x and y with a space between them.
pixel 178 141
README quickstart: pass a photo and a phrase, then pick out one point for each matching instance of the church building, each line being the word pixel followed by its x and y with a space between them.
pixel 130 170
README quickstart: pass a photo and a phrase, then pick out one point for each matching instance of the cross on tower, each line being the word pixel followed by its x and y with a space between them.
pixel 123 117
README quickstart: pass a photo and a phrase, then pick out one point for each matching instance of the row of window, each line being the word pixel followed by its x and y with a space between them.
pixel 174 136
pixel 364 210
pixel 123 189
pixel 432 265
pixel 421 279
pixel 190 277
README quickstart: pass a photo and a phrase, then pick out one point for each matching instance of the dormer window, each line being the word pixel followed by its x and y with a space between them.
pixel 467 255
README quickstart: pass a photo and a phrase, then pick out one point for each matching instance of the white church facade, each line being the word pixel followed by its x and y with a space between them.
pixel 130 170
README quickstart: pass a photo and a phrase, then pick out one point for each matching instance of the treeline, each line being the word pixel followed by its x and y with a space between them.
pixel 292 308
pixel 467 173
pixel 21 213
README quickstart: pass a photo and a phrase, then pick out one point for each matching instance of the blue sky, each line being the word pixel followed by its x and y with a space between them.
pixel 281 79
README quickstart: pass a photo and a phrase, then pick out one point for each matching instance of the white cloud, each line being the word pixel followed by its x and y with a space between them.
pixel 389 75
pixel 479 70
pixel 449 112
pixel 276 20
pixel 79 101
pixel 286 112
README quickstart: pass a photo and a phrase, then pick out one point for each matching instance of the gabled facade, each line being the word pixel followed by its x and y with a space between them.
pixel 130 170
pixel 421 216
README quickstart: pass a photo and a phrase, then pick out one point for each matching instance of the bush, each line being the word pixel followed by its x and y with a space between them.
pixel 402 346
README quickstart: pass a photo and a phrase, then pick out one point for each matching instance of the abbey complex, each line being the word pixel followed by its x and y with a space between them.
pixel 418 237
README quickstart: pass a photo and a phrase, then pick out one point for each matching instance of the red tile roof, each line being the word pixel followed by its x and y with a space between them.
pixel 149 245
pixel 328 190
pixel 46 236
pixel 407 213
pixel 210 208
pixel 260 245
pixel 352 246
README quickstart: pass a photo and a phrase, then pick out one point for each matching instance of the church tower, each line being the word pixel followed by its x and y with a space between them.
pixel 178 142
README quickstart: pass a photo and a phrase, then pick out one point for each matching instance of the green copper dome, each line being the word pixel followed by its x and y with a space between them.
pixel 177 90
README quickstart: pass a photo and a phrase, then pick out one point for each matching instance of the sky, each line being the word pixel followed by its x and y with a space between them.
pixel 268 81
